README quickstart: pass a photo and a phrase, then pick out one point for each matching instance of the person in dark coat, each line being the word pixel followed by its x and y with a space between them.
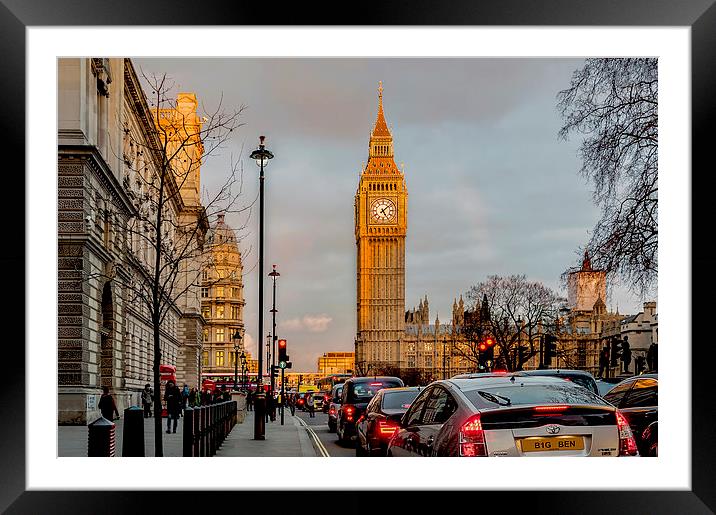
pixel 107 405
pixel 173 398
pixel 250 401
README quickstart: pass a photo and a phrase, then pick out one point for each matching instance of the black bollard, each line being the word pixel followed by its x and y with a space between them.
pixel 133 434
pixel 100 438
pixel 188 436
pixel 195 432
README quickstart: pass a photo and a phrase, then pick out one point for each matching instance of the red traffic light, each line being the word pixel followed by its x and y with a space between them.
pixel 483 346
pixel 490 341
pixel 282 344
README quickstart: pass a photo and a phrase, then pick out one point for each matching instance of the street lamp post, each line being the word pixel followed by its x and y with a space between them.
pixel 243 370
pixel 518 322
pixel 274 274
pixel 261 155
pixel 237 343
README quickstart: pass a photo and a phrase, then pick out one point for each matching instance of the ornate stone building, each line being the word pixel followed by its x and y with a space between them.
pixel 222 301
pixel 104 335
pixel 387 335
pixel 336 363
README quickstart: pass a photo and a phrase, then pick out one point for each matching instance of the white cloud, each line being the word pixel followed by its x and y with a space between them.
pixel 311 323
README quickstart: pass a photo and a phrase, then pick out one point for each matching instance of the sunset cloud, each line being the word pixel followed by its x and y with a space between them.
pixel 310 323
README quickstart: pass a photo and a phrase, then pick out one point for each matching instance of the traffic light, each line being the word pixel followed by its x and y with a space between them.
pixel 274 370
pixel 550 348
pixel 615 352
pixel 282 356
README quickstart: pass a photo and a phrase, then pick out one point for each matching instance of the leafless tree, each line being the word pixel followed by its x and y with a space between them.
pixel 165 240
pixel 614 103
pixel 518 312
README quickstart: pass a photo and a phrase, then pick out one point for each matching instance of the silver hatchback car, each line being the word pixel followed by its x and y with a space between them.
pixel 511 415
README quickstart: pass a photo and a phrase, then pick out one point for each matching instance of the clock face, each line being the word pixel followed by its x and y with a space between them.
pixel 382 210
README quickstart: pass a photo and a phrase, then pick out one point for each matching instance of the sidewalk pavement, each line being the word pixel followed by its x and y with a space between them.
pixel 72 440
pixel 288 440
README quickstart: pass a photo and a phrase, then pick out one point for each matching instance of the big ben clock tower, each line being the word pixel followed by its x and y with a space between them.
pixel 381 205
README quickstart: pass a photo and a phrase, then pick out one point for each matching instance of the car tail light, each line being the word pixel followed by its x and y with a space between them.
pixel 627 444
pixel 386 428
pixel 557 407
pixel 471 439
pixel 349 411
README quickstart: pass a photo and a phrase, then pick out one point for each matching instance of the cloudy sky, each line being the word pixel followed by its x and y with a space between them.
pixel 492 190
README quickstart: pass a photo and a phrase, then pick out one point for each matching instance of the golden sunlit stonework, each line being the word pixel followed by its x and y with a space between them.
pixel 389 337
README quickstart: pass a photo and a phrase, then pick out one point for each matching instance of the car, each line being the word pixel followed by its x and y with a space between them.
pixel 511 414
pixel 580 377
pixel 317 400
pixel 357 393
pixel 638 399
pixel 301 401
pixel 604 384
pixel 327 397
pixel 373 429
pixel 333 407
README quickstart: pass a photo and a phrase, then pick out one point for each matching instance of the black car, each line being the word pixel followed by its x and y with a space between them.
pixel 333 406
pixel 638 400
pixel 357 393
pixel 373 428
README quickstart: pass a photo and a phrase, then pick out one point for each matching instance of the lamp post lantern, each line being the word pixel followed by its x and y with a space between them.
pixel 262 156
pixel 237 344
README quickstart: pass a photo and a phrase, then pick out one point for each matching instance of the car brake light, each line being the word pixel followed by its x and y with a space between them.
pixel 386 428
pixel 376 384
pixel 627 444
pixel 348 410
pixel 551 408
pixel 471 438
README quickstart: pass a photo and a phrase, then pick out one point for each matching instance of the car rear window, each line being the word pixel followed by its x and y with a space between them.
pixel 362 392
pixel 533 394
pixel 586 382
pixel 399 400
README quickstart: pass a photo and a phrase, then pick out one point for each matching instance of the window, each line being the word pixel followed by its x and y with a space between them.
pixel 414 414
pixel 220 335
pixel 219 358
pixel 439 407
pixel 236 293
pixel 617 393
pixel 220 291
pixel 206 312
pixel 219 311
pixel 205 358
pixel 644 393
pixel 205 292
pixel 206 335
pixel 235 313
pixel 205 276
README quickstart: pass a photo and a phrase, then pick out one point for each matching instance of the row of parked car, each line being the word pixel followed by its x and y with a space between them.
pixel 527 413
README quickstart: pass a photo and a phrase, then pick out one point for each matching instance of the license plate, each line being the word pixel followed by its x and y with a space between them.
pixel 555 443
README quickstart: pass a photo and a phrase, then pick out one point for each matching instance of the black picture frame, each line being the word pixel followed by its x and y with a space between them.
pixel 699 15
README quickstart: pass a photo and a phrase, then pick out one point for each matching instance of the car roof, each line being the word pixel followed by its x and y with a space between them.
pixel 473 383
pixel 371 379
pixel 556 371
pixel 403 389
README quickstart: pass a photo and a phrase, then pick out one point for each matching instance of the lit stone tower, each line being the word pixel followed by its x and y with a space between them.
pixel 381 204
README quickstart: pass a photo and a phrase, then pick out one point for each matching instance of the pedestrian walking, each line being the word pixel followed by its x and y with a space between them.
pixel 107 406
pixel 194 400
pixel 310 405
pixel 292 404
pixel 269 408
pixel 250 401
pixel 225 395
pixel 147 395
pixel 205 397
pixel 172 396
pixel 184 396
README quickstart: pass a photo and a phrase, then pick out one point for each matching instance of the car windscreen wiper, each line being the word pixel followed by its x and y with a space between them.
pixel 495 398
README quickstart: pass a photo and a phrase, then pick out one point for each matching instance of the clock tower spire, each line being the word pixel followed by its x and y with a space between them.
pixel 380 230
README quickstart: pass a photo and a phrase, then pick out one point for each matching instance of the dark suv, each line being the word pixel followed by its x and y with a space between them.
pixel 357 393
